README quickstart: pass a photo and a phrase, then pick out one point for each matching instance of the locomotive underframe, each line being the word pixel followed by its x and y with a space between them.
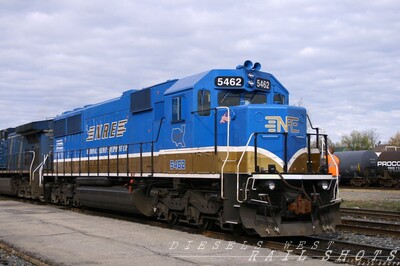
pixel 226 191
pixel 245 201
pixel 282 211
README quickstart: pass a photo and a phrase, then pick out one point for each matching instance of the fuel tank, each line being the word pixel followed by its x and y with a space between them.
pixel 356 163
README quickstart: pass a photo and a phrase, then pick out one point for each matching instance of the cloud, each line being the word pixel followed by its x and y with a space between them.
pixel 339 58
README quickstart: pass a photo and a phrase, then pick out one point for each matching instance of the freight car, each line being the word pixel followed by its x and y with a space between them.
pixel 366 168
pixel 388 168
pixel 220 148
pixel 357 168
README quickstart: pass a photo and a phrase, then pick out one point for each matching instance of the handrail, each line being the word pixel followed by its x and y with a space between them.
pixel 120 153
pixel 40 167
pixel 63 155
pixel 227 146
pixel 30 168
pixel 285 161
pixel 216 139
pixel 336 188
pixel 285 157
pixel 315 128
pixel 255 134
pixel 237 168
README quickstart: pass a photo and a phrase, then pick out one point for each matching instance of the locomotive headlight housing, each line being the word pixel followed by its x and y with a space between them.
pixel 250 75
pixel 250 83
pixel 271 185
pixel 324 185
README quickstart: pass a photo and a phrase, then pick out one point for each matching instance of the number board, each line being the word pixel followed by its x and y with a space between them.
pixel 177 164
pixel 229 81
pixel 264 84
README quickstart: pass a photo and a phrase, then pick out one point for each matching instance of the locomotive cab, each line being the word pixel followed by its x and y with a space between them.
pixel 244 131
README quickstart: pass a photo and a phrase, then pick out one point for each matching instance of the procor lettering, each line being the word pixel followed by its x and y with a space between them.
pixel 107 130
pixel 388 163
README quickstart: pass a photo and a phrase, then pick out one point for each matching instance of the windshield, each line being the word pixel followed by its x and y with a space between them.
pixel 229 98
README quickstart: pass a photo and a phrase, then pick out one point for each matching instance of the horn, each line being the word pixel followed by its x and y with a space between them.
pixel 257 66
pixel 248 64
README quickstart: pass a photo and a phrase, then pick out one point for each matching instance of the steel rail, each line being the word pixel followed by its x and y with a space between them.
pixel 373 231
pixel 370 213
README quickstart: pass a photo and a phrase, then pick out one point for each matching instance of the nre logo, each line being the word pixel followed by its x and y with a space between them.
pixel 105 131
pixel 276 124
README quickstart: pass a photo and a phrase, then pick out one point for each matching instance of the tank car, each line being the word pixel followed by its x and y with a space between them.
pixel 358 168
pixel 220 148
pixel 388 168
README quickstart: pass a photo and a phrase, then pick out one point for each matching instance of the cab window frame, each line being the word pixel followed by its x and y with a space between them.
pixel 177 109
pixel 204 102
pixel 237 98
pixel 279 98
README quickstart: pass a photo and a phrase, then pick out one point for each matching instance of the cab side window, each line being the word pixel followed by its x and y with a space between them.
pixel 177 109
pixel 204 102
pixel 279 98
pixel 228 98
pixel 255 98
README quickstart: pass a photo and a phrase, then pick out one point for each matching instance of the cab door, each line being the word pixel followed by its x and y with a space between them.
pixel 205 160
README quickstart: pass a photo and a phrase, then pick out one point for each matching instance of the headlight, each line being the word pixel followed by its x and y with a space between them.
pixel 250 83
pixel 250 76
pixel 324 185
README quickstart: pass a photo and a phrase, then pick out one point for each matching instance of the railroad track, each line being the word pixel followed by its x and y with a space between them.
pixel 322 249
pixel 370 214
pixel 369 222
pixel 370 227
pixel 299 248
pixel 22 258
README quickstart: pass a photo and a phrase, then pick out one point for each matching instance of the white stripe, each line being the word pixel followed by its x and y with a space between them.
pixel 293 177
pixel 105 157
pixel 238 149
pixel 203 176
pixel 295 156
pixel 160 175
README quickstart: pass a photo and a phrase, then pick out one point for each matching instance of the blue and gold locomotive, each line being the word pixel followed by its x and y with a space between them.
pixel 220 148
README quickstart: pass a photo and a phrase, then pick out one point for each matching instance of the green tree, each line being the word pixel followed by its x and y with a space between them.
pixel 395 140
pixel 364 140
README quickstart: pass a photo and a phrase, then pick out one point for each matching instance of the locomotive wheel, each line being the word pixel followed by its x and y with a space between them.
pixel 173 219
pixel 54 198
pixel 247 231
pixel 358 182
pixel 66 201
pixel 387 183
pixel 207 224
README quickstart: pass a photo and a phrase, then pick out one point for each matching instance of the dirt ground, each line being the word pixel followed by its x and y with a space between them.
pixel 388 200
pixel 369 195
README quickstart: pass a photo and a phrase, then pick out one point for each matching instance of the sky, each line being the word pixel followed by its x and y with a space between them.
pixel 339 59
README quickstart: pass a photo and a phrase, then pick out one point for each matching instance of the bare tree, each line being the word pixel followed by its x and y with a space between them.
pixel 365 140
pixel 395 140
pixel 372 135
